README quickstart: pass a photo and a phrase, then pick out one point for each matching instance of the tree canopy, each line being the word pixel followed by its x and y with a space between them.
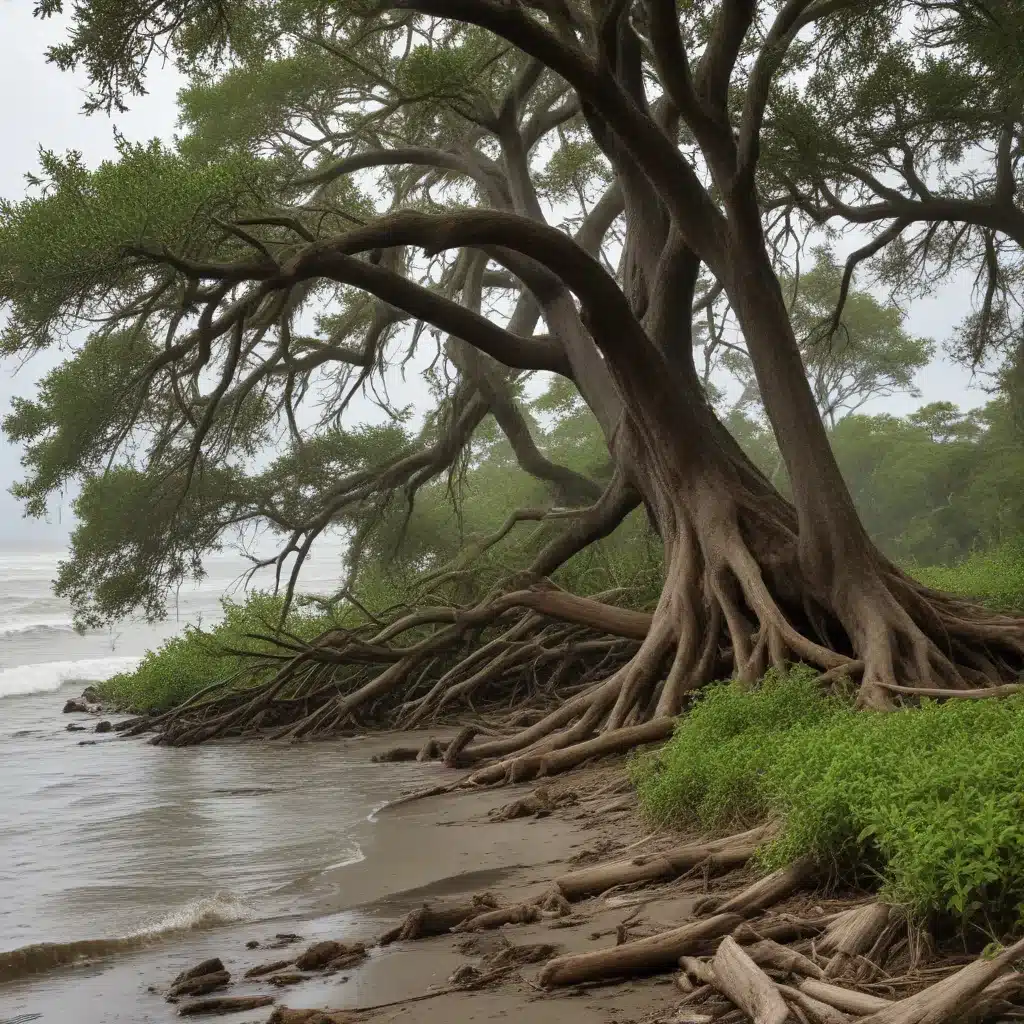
pixel 484 191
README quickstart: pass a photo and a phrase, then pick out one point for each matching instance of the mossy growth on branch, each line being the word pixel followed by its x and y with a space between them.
pixel 923 804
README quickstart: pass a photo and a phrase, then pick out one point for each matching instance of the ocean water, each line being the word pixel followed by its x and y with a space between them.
pixel 107 844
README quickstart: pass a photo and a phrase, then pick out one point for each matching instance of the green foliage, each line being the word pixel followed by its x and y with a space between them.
pixel 187 664
pixel 63 259
pixel 927 800
pixel 995 577
pixel 81 409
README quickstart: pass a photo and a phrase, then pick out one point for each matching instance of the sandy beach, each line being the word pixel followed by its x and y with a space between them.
pixel 438 848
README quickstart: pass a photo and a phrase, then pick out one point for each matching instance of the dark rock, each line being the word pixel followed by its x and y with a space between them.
pixel 277 965
pixel 200 986
pixel 253 944
pixel 212 966
pixel 224 1004
pixel 354 956
pixel 91 695
pixel 87 743
pixel 291 978
pixel 129 723
pixel 75 728
pixel 330 954
pixel 76 705
pixel 104 726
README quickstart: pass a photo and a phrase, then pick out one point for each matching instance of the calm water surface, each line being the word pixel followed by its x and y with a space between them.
pixel 124 842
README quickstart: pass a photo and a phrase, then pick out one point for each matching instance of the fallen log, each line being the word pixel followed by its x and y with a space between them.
pixel 783 928
pixel 725 854
pixel 770 889
pixel 815 1011
pixel 642 956
pixel 738 978
pixel 766 953
pixel 942 1001
pixel 852 935
pixel 616 741
pixel 995 1000
pixel 261 969
pixel 844 999
pixel 522 914
pixel 437 919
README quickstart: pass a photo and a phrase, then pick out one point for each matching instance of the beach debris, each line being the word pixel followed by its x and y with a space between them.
pixel 766 891
pixel 224 1004
pixel 438 918
pixel 520 914
pixel 284 1015
pixel 741 981
pixel 851 935
pixel 719 855
pixel 201 985
pixel 287 978
pixel 283 939
pixel 212 966
pixel 642 956
pixel 539 803
pixel 330 955
pixel 261 969
pixel 396 754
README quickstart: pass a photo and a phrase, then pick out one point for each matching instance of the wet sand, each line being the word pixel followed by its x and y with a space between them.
pixel 412 853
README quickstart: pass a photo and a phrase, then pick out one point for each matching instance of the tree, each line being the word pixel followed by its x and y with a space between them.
pixel 916 136
pixel 865 355
pixel 649 114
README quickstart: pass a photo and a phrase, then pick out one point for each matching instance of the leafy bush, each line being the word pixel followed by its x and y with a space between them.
pixel 995 577
pixel 197 658
pixel 929 799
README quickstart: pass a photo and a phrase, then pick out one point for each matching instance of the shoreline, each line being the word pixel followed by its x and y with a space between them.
pixel 453 847
pixel 437 848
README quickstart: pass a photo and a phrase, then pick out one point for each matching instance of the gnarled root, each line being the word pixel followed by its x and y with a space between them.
pixel 544 680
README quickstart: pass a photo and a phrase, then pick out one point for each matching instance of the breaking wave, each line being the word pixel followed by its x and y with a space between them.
pixel 208 912
pixel 52 675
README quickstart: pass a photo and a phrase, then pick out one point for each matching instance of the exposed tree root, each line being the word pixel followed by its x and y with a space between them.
pixel 543 680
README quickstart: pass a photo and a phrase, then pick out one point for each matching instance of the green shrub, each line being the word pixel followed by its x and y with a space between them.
pixel 930 800
pixel 995 577
pixel 197 658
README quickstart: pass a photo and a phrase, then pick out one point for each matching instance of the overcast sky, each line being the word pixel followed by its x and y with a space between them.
pixel 42 107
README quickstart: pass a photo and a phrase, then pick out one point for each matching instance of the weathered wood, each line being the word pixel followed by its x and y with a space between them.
pixel 852 935
pixel 771 954
pixel 642 956
pixel 942 1001
pixel 742 981
pixel 770 889
pixel 729 853
pixel 437 919
pixel 815 1010
pixel 522 914
pixel 843 998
